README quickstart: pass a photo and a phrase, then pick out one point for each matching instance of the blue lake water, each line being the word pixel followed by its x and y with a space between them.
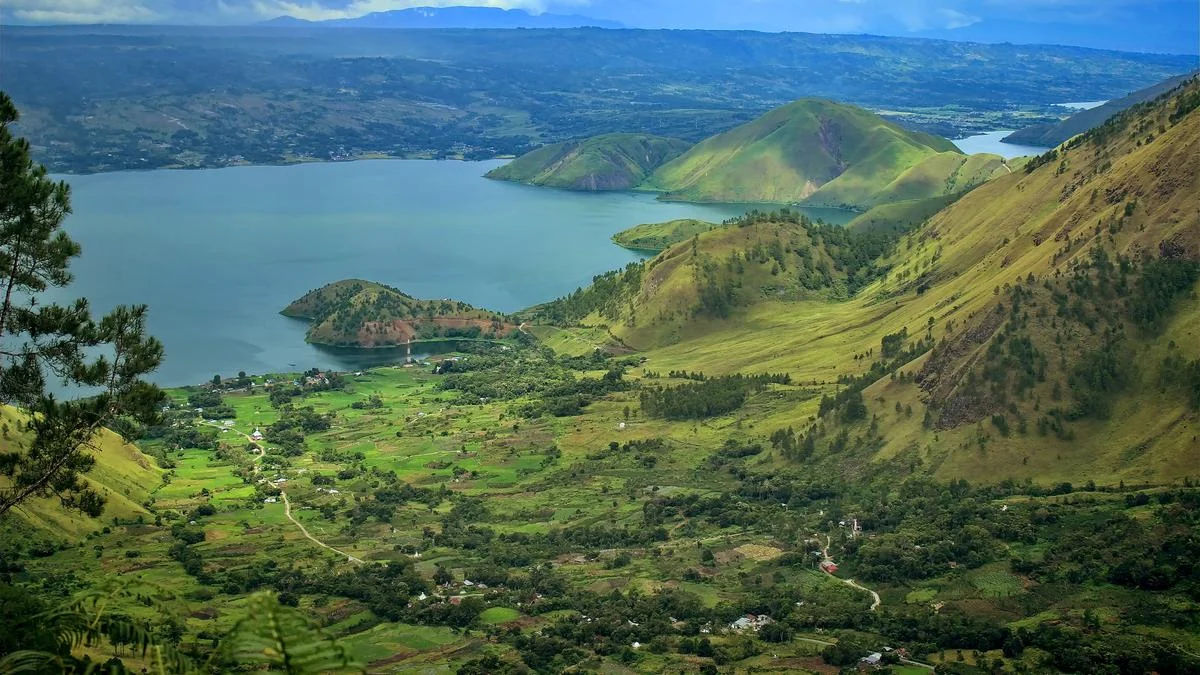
pixel 990 142
pixel 217 253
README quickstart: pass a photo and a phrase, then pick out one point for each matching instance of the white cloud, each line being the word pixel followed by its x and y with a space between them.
pixel 79 11
pixel 952 18
pixel 318 11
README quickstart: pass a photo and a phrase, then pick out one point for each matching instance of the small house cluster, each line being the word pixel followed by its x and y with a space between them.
pixel 753 622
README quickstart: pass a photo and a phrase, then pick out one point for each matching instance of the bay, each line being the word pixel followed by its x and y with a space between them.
pixel 990 142
pixel 217 253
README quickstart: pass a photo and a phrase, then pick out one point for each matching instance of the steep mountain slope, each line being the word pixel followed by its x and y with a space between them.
pixel 360 313
pixel 608 162
pixel 123 475
pixel 1050 135
pixel 824 154
pixel 1054 308
pixel 659 236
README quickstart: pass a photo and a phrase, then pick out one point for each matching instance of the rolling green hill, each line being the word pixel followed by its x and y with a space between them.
pixel 1050 135
pixel 608 162
pixel 823 154
pixel 658 236
pixel 360 313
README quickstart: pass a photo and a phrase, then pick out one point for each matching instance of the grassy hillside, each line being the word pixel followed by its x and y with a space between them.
pixel 608 162
pixel 1051 135
pixel 823 154
pixel 360 313
pixel 904 215
pixel 122 475
pixel 658 236
pixel 946 295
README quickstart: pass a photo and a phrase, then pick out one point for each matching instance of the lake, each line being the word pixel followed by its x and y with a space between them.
pixel 990 142
pixel 217 253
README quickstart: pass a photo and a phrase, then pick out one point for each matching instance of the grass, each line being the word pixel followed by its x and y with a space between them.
pixel 607 162
pixel 657 237
pixel 996 584
pixel 496 615
pixel 759 162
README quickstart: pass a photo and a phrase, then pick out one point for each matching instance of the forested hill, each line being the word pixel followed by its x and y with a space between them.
pixel 1050 135
pixel 360 313
pixel 608 162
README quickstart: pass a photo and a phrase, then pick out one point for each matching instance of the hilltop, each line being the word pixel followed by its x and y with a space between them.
pixel 358 313
pixel 608 162
pixel 1051 135
pixel 658 236
pixel 821 153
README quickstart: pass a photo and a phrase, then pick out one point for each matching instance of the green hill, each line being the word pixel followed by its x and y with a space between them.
pixel 1049 306
pixel 1051 135
pixel 658 236
pixel 822 154
pixel 608 162
pixel 360 313
pixel 123 475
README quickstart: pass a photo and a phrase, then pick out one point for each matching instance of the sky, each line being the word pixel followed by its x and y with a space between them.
pixel 1134 25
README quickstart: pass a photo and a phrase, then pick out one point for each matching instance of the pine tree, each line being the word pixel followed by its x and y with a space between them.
pixel 40 341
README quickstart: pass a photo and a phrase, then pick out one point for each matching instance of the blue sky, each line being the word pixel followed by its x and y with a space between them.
pixel 1143 25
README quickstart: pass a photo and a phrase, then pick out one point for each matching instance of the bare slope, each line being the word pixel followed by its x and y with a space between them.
pixel 608 162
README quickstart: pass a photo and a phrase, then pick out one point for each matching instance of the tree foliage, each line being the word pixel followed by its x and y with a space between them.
pixel 40 341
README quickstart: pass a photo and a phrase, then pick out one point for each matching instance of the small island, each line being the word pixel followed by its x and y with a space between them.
pixel 357 313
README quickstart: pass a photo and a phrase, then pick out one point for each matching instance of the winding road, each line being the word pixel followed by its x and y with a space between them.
pixel 875 600
pixel 287 504
pixel 287 511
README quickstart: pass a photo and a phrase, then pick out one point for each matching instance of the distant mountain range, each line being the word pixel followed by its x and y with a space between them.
pixel 1050 135
pixel 453 17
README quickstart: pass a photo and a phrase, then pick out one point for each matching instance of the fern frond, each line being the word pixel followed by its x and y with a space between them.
pixel 282 638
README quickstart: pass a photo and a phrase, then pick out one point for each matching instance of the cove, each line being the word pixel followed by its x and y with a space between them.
pixel 217 253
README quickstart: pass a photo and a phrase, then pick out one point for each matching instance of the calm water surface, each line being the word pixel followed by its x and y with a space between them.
pixel 217 253
pixel 990 142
